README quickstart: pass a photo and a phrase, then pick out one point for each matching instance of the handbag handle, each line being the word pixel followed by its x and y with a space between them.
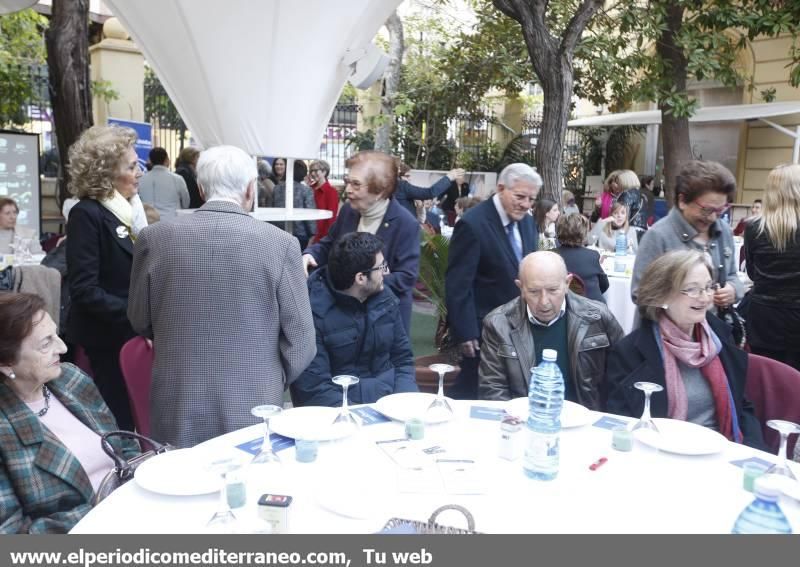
pixel 119 461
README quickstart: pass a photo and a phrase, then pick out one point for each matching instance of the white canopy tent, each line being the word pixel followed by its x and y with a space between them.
pixel 736 112
pixel 263 75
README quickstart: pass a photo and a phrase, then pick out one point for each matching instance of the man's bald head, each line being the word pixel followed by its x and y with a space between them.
pixel 543 282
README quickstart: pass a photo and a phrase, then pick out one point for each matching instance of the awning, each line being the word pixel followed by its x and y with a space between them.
pixel 730 113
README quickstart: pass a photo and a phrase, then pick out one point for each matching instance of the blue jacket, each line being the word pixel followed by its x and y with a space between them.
pixel 362 339
pixel 406 194
pixel 399 231
pixel 482 268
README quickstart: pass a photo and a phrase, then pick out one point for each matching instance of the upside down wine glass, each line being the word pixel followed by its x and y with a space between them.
pixel 439 407
pixel 345 418
pixel 223 519
pixel 646 422
pixel 785 428
pixel 266 454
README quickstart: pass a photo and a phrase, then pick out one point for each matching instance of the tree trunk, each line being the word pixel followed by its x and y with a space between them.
pixel 674 131
pixel 391 82
pixel 557 89
pixel 67 42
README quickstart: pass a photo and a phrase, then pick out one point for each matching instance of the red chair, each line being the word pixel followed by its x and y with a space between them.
pixel 774 389
pixel 136 362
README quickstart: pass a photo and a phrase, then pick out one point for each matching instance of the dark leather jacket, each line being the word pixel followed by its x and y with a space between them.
pixel 507 351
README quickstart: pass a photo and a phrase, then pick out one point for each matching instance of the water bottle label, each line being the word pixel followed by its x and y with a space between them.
pixel 543 445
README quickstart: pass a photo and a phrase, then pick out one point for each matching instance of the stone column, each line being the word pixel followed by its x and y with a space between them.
pixel 117 59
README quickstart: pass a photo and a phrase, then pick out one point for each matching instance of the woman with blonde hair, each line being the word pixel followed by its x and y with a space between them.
pixel 611 192
pixel 605 231
pixel 686 350
pixel 104 175
pixel 772 254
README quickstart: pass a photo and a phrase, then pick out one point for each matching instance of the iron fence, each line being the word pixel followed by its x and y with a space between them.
pixel 572 153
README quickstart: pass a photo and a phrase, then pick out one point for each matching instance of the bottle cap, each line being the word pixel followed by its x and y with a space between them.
pixel 766 488
pixel 550 354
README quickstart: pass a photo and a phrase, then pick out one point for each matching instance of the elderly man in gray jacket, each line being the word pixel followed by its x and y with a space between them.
pixel 547 315
pixel 224 298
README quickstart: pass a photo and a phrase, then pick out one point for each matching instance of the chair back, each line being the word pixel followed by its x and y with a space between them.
pixel 136 362
pixel 774 389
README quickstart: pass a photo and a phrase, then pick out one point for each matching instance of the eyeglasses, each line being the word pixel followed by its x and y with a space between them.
pixel 383 267
pixel 356 184
pixel 694 292
pixel 708 211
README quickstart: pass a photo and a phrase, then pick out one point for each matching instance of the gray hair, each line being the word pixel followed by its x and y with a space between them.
pixel 518 172
pixel 225 172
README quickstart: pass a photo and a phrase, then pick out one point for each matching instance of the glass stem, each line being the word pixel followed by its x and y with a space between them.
pixel 440 393
pixel 782 451
pixel 345 409
pixel 266 445
pixel 646 412
pixel 222 507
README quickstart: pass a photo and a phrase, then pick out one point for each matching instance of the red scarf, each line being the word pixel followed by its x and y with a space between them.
pixel 700 352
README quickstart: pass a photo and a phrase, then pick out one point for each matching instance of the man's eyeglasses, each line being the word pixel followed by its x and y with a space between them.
pixel 383 267
pixel 694 292
pixel 708 211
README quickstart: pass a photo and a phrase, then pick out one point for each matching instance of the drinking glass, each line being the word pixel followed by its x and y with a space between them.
pixel 345 418
pixel 646 422
pixel 266 454
pixel 439 407
pixel 785 428
pixel 223 519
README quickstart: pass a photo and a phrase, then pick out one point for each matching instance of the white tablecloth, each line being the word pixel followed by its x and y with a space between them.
pixel 643 491
pixel 618 299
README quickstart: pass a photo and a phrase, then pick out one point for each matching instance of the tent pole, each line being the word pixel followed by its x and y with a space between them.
pixel 796 150
pixel 255 199
pixel 289 186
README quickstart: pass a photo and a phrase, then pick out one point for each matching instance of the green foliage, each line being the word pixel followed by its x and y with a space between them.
pixel 447 75
pixel 21 52
pixel 104 90
pixel 359 141
pixel 619 65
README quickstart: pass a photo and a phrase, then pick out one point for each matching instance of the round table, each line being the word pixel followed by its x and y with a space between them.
pixel 618 299
pixel 643 491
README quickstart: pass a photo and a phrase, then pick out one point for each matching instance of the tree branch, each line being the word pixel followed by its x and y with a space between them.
pixel 574 30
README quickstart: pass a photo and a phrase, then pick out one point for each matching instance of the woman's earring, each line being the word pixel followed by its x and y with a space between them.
pixel 12 376
pixel 665 307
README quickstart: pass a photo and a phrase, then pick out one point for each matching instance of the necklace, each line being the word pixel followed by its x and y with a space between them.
pixel 46 393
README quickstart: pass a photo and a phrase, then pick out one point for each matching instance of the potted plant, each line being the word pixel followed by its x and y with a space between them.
pixel 432 270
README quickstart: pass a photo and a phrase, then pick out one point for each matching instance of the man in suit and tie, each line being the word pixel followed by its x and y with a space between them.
pixel 485 251
pixel 224 298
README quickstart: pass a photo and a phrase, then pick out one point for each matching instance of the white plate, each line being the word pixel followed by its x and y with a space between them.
pixel 182 472
pixel 572 414
pixel 682 438
pixel 407 405
pixel 312 423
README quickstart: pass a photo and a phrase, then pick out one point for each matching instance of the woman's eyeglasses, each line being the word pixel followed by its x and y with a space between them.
pixel 708 211
pixel 694 292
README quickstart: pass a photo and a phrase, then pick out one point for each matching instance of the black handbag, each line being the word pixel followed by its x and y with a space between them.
pixel 733 318
pixel 124 468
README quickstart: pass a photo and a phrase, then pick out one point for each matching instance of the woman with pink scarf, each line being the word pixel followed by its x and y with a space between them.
pixel 686 350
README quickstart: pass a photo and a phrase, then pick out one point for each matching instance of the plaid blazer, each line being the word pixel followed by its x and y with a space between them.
pixel 43 487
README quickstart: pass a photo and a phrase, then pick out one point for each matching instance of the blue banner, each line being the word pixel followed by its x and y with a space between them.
pixel 144 135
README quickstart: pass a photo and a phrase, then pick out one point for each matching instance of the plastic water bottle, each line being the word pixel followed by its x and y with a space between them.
pixel 763 515
pixel 545 397
pixel 621 244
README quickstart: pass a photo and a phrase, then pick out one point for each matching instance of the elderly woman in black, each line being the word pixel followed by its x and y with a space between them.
pixel 104 176
pixel 51 419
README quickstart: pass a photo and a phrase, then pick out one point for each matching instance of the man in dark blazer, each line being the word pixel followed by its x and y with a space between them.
pixel 485 251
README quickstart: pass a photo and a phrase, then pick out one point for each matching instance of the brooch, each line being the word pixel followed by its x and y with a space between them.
pixel 122 231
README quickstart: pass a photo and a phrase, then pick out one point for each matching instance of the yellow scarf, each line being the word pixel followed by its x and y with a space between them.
pixel 120 208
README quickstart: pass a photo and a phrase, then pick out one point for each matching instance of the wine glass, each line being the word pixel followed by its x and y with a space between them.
pixel 439 406
pixel 344 417
pixel 223 519
pixel 266 454
pixel 646 422
pixel 785 428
